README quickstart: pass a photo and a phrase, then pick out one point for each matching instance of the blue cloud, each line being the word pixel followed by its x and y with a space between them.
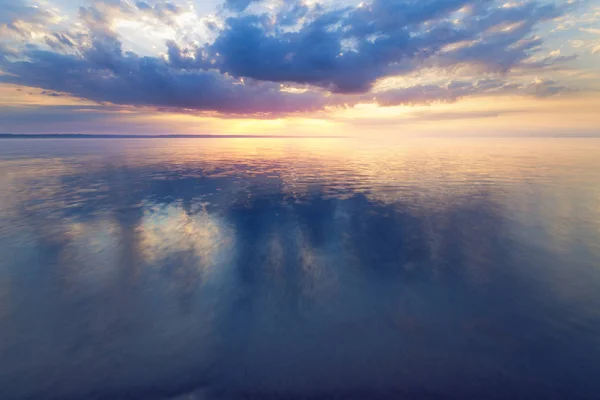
pixel 16 10
pixel 238 5
pixel 342 51
pixel 105 74
pixel 347 50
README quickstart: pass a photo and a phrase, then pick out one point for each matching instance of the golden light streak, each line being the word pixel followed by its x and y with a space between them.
pixel 564 114
pixel 13 95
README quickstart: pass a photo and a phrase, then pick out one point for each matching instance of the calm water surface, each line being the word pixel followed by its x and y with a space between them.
pixel 300 268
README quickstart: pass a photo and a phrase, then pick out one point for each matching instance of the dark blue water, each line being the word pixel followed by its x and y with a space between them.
pixel 300 269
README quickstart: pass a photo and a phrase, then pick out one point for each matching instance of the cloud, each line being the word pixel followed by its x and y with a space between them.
pixel 452 91
pixel 590 30
pixel 21 19
pixel 15 10
pixel 102 71
pixel 90 119
pixel 553 60
pixel 106 74
pixel 239 5
pixel 106 10
pixel 12 116
pixel 294 58
pixel 163 11
pixel 406 120
pixel 458 115
pixel 347 50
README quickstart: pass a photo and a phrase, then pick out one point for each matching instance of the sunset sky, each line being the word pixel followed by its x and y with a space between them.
pixel 380 67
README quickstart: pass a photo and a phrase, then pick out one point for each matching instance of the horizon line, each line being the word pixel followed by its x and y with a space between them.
pixel 161 136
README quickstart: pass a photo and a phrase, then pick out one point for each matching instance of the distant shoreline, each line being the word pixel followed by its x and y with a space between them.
pixel 99 136
pixel 207 136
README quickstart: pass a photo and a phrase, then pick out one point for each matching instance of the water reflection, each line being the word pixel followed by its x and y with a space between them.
pixel 299 269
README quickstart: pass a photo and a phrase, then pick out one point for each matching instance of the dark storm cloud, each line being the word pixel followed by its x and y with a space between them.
pixel 343 50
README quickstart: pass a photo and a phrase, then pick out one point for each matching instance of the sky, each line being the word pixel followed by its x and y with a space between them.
pixel 290 67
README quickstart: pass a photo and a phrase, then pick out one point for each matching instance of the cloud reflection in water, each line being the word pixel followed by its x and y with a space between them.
pixel 146 271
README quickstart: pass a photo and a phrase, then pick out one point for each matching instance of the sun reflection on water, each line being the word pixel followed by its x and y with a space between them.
pixel 178 264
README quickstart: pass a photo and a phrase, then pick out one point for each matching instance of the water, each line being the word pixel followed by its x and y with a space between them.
pixel 300 268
